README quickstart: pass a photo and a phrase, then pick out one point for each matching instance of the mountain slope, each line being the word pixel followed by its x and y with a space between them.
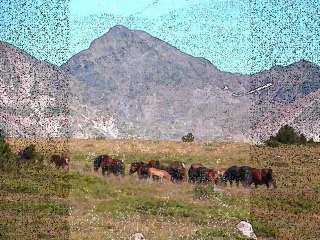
pixel 34 95
pixel 36 100
pixel 155 91
pixel 128 84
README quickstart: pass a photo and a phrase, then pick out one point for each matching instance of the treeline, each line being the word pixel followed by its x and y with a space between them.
pixel 288 135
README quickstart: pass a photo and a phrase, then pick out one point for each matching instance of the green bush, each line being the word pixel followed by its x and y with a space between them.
pixel 272 143
pixel 287 135
pixel 8 160
pixel 188 138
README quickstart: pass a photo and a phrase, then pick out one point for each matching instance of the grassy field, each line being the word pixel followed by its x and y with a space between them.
pixel 83 204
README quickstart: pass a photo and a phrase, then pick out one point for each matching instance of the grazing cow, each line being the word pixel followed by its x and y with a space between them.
pixel 60 161
pixel 159 173
pixel 202 175
pixel 193 173
pixel 177 170
pixel 155 164
pixel 141 168
pixel 26 153
pixel 245 176
pixel 115 166
pixel 97 162
pixel 262 176
pixel 237 174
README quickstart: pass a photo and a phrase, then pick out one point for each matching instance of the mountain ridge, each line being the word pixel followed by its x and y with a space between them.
pixel 145 88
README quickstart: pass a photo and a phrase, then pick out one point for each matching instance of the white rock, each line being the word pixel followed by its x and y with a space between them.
pixel 246 229
pixel 137 236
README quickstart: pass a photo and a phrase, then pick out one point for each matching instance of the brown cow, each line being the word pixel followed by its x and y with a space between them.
pixel 155 164
pixel 141 168
pixel 115 166
pixel 262 176
pixel 60 161
pixel 177 170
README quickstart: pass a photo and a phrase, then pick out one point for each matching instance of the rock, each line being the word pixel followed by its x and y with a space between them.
pixel 137 236
pixel 246 229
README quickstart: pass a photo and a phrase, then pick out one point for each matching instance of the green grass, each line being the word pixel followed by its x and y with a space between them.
pixel 115 207
pixel 33 204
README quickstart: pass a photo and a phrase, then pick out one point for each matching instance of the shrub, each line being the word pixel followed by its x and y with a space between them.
pixel 272 143
pixel 8 160
pixel 188 138
pixel 287 135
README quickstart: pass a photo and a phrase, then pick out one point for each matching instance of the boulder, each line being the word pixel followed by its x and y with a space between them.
pixel 246 229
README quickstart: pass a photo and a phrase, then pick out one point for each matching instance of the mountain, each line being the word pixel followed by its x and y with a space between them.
pixel 33 95
pixel 37 100
pixel 129 84
pixel 155 91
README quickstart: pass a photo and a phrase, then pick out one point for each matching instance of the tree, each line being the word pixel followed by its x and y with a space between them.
pixel 188 138
pixel 286 135
pixel 8 160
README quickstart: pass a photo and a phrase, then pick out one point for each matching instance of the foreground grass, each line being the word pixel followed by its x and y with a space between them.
pixel 34 204
pixel 115 207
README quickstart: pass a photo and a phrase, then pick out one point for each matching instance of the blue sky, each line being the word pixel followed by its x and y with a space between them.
pixel 236 36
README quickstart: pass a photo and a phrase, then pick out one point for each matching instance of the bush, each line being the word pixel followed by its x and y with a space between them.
pixel 272 143
pixel 287 135
pixel 8 160
pixel 188 138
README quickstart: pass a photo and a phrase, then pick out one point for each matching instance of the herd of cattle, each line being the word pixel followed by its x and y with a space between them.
pixel 197 173
pixel 173 171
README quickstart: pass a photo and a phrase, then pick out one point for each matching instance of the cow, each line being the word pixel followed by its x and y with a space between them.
pixel 262 176
pixel 97 162
pixel 193 173
pixel 155 164
pixel 178 171
pixel 60 161
pixel 115 166
pixel 202 175
pixel 237 174
pixel 27 154
pixel 159 173
pixel 141 168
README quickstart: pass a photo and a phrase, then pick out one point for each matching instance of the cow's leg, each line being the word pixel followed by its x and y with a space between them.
pixel 267 184
pixel 237 183
pixel 256 185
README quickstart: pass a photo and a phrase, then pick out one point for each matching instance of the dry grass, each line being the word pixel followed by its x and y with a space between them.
pixel 115 207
